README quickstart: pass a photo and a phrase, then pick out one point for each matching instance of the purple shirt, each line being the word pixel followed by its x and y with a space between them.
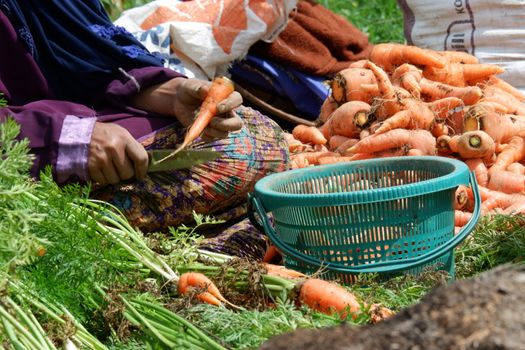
pixel 59 132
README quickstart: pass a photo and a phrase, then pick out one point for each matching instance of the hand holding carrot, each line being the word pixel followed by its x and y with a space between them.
pixel 182 98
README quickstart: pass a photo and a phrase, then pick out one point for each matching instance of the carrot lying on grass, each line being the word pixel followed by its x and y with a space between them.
pixel 390 55
pixel 328 297
pixel 347 120
pixel 206 290
pixel 220 89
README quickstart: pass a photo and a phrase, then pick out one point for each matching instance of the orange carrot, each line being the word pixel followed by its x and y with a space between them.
pixel 391 98
pixel 433 90
pixel 220 89
pixel 379 313
pixel 516 208
pixel 417 116
pixel 444 106
pixel 346 145
pixel 328 297
pixel 461 197
pixel 309 134
pixel 347 120
pixel 514 152
pixel 516 168
pixel 439 129
pixel 346 85
pixel 281 271
pixel 298 161
pixel 503 85
pixel 498 200
pixel 408 77
pixel 314 157
pixel 397 138
pixel 495 94
pixel 459 57
pixel 480 170
pixel 206 290
pixel 390 55
pixel 443 145
pixel 271 254
pixel 474 113
pixel 458 74
pixel 327 108
pixel 336 141
pixel 502 127
pixel 294 145
pixel 507 182
pixel 461 218
pixel 476 144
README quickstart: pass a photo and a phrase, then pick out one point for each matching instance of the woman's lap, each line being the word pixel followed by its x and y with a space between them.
pixel 216 188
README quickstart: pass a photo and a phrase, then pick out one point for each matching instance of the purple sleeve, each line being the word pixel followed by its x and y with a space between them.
pixel 120 91
pixel 59 134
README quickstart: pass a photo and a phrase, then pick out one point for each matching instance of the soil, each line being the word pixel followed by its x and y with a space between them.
pixel 487 312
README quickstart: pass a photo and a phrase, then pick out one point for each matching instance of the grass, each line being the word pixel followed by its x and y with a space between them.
pixel 382 20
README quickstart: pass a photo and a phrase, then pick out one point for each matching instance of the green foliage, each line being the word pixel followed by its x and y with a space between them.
pixel 497 240
pixel 382 20
pixel 18 243
pixel 250 328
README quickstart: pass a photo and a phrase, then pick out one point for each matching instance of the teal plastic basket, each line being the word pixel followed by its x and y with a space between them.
pixel 386 216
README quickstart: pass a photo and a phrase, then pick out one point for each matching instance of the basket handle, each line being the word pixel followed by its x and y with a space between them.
pixel 384 266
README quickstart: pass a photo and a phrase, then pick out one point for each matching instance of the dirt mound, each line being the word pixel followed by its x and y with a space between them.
pixel 487 312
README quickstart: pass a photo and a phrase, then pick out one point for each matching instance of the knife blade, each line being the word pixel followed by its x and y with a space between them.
pixel 182 160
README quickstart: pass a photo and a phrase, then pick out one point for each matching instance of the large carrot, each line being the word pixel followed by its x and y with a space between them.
pixel 397 138
pixel 459 57
pixel 502 127
pixel 495 94
pixel 390 55
pixel 433 90
pixel 474 113
pixel 476 144
pixel 347 120
pixel 328 297
pixel 346 85
pixel 458 74
pixel 503 85
pixel 327 108
pixel 220 89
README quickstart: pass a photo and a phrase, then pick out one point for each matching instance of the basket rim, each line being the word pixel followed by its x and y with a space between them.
pixel 274 199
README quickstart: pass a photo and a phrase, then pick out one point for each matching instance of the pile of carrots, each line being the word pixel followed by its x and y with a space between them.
pixel 406 101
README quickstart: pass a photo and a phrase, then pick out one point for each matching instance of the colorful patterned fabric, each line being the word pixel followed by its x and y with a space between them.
pixel 218 188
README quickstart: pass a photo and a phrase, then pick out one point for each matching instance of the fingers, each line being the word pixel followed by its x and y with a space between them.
pixel 233 101
pixel 196 88
pixel 211 134
pixel 114 155
pixel 139 157
pixel 233 123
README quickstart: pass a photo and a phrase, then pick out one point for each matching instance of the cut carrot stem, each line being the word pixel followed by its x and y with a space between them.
pixel 220 89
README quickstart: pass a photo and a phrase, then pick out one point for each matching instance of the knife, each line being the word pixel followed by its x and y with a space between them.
pixel 182 160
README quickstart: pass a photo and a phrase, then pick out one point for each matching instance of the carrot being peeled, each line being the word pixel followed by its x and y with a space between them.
pixel 220 89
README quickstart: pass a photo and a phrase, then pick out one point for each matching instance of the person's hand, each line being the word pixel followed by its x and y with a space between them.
pixel 181 98
pixel 114 155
